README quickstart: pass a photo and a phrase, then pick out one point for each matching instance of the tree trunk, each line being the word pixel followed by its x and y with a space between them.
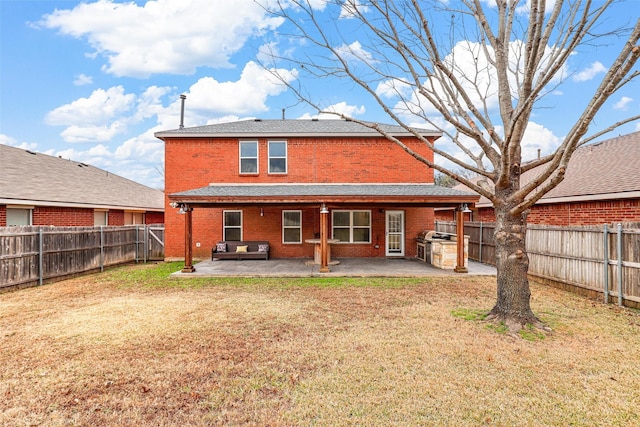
pixel 512 264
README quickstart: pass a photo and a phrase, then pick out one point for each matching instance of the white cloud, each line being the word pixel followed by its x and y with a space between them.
pixel 7 140
pixel 623 103
pixel 163 36
pixel 589 73
pixel 82 80
pixel 101 106
pixel 90 133
pixel 355 52
pixel 527 6
pixel 332 112
pixel 345 109
pixel 392 88
pixel 476 75
pixel 538 137
pixel 106 113
pixel 246 95
pixel 351 9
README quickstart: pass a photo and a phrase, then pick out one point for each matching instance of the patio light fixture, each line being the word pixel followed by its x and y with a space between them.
pixel 184 208
pixel 465 209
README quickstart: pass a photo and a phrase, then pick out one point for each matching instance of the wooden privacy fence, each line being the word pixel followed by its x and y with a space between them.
pixel 32 255
pixel 594 259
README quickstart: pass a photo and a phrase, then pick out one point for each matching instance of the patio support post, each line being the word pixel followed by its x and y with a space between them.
pixel 460 267
pixel 188 255
pixel 324 263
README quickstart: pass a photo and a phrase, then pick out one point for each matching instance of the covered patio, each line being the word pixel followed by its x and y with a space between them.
pixel 383 205
pixel 348 267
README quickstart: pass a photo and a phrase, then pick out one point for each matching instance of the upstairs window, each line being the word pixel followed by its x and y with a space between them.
pixel 249 157
pixel 277 157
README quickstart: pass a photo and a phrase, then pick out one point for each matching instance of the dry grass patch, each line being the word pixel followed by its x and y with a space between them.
pixel 131 347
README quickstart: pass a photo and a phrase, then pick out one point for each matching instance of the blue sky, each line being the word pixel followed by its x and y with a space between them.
pixel 92 81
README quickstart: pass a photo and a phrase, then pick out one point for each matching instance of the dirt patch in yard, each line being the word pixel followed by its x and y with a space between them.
pixel 112 349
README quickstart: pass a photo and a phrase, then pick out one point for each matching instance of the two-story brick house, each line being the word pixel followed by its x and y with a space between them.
pixel 269 180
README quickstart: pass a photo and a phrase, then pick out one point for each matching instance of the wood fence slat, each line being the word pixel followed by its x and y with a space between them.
pixel 68 251
pixel 570 255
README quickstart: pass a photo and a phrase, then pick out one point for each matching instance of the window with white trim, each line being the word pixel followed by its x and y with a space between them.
pixel 133 218
pixel 351 226
pixel 100 217
pixel 232 225
pixel 277 157
pixel 249 157
pixel 291 226
pixel 19 216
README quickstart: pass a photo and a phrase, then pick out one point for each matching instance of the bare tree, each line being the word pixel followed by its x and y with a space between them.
pixel 478 81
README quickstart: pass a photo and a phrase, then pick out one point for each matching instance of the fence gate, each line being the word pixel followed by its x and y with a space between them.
pixel 150 242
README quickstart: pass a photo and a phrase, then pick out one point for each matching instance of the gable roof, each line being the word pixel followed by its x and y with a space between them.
pixel 600 171
pixel 291 128
pixel 38 179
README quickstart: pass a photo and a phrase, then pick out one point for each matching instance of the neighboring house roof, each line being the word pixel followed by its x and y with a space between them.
pixel 601 171
pixel 291 128
pixel 38 179
pixel 423 194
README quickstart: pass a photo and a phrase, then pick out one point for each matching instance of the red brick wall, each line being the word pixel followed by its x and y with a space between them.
pixel 62 216
pixel 586 213
pixel 154 218
pixel 115 217
pixel 565 214
pixel 76 217
pixel 207 230
pixel 195 163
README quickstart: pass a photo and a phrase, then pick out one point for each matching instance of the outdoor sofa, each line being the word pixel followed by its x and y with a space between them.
pixel 239 250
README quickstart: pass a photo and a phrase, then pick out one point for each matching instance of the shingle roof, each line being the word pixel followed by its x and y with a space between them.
pixel 35 178
pixel 289 128
pixel 604 170
pixel 610 167
pixel 325 192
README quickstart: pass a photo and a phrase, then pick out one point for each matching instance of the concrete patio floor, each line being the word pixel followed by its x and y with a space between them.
pixel 348 267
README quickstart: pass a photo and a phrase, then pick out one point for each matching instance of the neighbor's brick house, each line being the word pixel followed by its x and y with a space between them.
pixel 38 189
pixel 267 180
pixel 601 186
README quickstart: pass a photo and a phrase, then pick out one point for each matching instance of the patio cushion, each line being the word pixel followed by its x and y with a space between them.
pixel 221 247
pixel 263 248
pixel 242 248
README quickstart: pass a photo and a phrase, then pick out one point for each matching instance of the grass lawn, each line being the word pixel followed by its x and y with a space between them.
pixel 130 347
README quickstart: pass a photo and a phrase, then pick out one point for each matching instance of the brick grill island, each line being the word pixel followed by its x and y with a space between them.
pixel 440 249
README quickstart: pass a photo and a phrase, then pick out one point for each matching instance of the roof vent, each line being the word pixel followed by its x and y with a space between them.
pixel 315 119
pixel 30 152
pixel 182 98
pixel 258 120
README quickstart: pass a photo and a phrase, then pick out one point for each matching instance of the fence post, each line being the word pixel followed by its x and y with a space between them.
pixel 480 240
pixel 137 243
pixel 102 248
pixel 606 264
pixel 619 264
pixel 40 260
